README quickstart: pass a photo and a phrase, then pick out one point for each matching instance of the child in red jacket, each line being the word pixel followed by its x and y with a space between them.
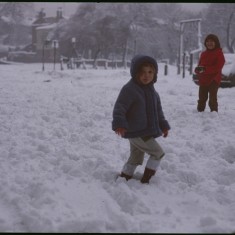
pixel 209 71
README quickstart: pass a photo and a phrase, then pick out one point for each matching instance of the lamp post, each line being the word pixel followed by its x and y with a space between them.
pixel 55 45
pixel 134 47
pixel 73 41
pixel 61 63
pixel 45 43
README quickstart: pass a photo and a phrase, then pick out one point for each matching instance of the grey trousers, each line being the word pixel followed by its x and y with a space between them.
pixel 138 147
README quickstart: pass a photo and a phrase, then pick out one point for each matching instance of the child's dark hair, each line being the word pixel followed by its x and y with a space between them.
pixel 214 38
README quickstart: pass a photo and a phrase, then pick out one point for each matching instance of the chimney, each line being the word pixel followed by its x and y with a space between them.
pixel 59 13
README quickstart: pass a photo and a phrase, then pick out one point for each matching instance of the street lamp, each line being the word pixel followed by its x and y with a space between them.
pixel 55 44
pixel 45 43
pixel 134 47
pixel 73 41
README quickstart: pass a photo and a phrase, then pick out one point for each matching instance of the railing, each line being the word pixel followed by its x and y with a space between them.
pixel 82 63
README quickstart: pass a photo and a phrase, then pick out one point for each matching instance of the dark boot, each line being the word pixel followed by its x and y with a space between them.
pixel 148 173
pixel 127 177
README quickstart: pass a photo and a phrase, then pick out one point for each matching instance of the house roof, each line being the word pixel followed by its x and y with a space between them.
pixel 47 20
pixel 48 26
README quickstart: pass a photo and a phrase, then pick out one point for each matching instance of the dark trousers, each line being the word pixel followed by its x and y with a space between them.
pixel 204 92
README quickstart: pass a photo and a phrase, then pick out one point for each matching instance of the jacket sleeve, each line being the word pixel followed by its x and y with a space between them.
pixel 121 107
pixel 163 123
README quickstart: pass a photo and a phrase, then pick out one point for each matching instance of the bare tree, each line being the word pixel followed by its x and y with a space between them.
pixel 122 29
pixel 230 42
pixel 16 14
pixel 220 20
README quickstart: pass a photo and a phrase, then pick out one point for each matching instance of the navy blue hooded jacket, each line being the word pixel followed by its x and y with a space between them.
pixel 138 107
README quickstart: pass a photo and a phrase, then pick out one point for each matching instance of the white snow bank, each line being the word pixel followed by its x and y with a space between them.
pixel 59 157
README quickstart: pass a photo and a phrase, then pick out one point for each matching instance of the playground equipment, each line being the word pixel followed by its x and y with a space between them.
pixel 182 53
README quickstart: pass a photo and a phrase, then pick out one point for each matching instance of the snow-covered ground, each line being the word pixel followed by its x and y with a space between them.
pixel 59 157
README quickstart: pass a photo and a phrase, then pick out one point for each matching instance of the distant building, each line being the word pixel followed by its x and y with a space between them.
pixel 41 28
pixel 43 46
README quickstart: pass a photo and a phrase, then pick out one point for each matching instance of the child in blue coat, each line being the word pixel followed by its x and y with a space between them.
pixel 138 117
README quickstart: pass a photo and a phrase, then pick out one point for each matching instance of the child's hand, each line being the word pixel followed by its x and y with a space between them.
pixel 165 133
pixel 120 131
pixel 200 69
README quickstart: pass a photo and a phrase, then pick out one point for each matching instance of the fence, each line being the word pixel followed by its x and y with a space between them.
pixel 73 63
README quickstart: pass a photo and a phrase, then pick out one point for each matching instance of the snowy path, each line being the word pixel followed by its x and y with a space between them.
pixel 59 157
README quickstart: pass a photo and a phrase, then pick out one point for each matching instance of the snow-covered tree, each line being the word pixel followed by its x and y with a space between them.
pixel 17 18
pixel 220 19
pixel 109 28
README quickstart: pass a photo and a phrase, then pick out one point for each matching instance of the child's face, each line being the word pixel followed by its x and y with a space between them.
pixel 146 75
pixel 210 44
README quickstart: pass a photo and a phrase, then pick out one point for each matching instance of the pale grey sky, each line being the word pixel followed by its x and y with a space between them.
pixel 194 7
pixel 69 8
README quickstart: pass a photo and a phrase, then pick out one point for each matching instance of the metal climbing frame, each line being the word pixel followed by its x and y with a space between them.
pixel 181 56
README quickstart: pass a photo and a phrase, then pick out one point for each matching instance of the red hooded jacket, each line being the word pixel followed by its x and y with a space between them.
pixel 213 61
